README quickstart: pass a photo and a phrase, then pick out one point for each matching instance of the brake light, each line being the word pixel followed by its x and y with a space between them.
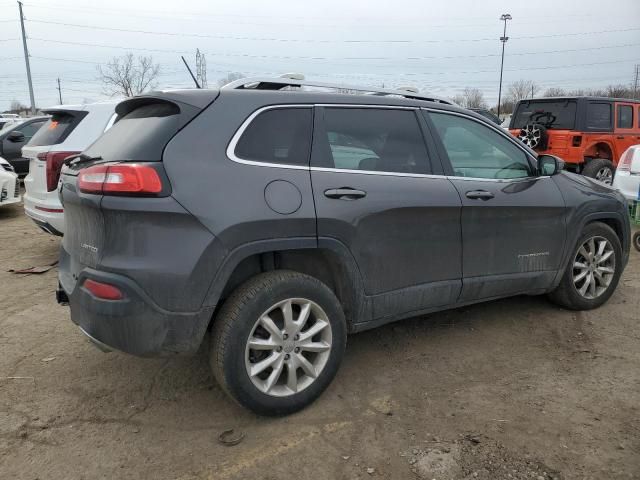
pixel 103 290
pixel 120 179
pixel 625 161
pixel 54 165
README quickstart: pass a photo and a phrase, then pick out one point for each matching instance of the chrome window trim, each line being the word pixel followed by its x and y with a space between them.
pixel 236 137
pixel 231 148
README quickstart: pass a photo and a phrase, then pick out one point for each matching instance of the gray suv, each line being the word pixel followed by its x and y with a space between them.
pixel 280 215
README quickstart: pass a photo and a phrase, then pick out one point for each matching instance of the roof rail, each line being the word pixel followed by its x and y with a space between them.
pixel 265 83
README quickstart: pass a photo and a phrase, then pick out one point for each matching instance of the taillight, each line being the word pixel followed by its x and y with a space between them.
pixel 103 290
pixel 120 179
pixel 54 165
pixel 625 161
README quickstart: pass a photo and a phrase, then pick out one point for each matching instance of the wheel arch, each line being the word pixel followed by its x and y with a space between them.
pixel 611 219
pixel 593 151
pixel 328 260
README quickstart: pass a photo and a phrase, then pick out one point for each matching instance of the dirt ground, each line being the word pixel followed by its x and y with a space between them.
pixel 511 389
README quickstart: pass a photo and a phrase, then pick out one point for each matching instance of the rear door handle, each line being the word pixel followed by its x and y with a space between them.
pixel 345 193
pixel 620 137
pixel 479 195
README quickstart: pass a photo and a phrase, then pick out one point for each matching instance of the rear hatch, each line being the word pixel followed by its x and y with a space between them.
pixel 44 169
pixel 145 125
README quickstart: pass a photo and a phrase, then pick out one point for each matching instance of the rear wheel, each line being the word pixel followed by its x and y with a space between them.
pixel 593 271
pixel 636 241
pixel 278 342
pixel 601 169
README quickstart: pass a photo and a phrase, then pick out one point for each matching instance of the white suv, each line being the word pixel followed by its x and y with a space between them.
pixel 70 130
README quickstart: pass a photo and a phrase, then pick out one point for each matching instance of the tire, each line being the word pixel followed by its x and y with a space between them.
pixel 241 320
pixel 568 293
pixel 636 241
pixel 601 169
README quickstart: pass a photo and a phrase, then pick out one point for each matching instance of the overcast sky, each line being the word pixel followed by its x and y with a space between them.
pixel 439 46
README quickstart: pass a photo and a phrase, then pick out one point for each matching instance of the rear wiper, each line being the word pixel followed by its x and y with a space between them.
pixel 80 158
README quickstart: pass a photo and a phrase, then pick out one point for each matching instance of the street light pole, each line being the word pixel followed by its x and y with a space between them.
pixel 504 17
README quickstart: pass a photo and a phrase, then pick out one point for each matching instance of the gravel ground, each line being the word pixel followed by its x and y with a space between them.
pixel 511 389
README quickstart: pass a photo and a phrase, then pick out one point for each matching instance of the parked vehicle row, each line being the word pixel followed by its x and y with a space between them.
pixel 280 220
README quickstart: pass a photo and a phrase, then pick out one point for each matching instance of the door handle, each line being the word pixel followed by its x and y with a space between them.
pixel 620 137
pixel 479 195
pixel 345 193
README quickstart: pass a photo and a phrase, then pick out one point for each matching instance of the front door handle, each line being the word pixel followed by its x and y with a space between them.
pixel 479 195
pixel 345 193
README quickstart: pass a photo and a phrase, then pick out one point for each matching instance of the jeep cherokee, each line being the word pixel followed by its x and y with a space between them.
pixel 281 219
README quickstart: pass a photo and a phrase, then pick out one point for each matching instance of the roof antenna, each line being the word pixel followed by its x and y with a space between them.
pixel 190 72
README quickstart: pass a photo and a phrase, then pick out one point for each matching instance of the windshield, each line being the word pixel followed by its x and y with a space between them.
pixel 559 114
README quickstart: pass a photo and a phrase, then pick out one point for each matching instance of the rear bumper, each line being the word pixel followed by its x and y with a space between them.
pixel 47 214
pixel 135 324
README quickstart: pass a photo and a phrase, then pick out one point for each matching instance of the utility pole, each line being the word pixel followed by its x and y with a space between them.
pixel 59 91
pixel 26 60
pixel 636 81
pixel 504 17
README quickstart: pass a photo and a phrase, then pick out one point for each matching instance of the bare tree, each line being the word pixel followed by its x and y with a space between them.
pixel 470 98
pixel 522 89
pixel 230 77
pixel 17 106
pixel 554 92
pixel 128 75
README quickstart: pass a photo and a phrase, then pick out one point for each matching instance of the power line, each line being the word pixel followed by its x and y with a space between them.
pixel 552 67
pixel 298 40
pixel 320 58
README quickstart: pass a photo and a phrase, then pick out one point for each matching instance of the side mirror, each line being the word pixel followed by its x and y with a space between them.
pixel 549 165
pixel 16 136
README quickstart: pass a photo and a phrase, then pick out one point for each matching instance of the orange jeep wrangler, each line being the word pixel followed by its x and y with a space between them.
pixel 588 133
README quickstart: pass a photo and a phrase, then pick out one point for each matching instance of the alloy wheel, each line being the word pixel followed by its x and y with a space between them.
pixel 605 175
pixel 594 267
pixel 288 347
pixel 530 135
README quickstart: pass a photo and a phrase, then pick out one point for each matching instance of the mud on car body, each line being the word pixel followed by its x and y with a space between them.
pixel 280 220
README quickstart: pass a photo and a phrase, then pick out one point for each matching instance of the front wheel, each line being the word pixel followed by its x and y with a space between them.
pixel 278 342
pixel 593 271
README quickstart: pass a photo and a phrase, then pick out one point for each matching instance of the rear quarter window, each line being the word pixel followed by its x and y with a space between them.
pixel 279 135
pixel 57 128
pixel 599 116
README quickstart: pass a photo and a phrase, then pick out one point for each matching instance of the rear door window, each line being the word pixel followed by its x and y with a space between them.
pixel 625 116
pixel 599 116
pixel 57 128
pixel 278 135
pixel 372 139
